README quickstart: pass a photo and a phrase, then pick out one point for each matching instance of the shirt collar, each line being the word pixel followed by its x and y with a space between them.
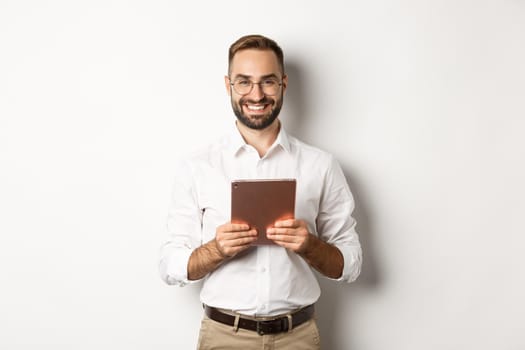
pixel 236 141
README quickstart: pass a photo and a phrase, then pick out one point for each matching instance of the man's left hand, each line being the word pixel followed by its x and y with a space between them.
pixel 293 235
pixel 290 234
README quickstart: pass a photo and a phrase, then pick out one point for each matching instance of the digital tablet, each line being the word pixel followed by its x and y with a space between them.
pixel 259 203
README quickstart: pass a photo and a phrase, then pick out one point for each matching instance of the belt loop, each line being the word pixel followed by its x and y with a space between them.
pixel 290 323
pixel 236 323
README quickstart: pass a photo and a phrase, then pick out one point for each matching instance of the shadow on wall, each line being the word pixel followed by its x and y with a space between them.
pixel 335 311
pixel 334 308
pixel 295 106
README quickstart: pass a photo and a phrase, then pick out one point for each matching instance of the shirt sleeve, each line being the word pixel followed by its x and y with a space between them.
pixel 335 223
pixel 184 229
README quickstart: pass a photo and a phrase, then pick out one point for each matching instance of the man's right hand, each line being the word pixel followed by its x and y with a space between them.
pixel 231 239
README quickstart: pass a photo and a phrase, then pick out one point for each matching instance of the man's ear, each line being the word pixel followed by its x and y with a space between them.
pixel 227 85
pixel 285 82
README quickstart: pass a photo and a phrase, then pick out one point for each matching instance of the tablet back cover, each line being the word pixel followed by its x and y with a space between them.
pixel 260 203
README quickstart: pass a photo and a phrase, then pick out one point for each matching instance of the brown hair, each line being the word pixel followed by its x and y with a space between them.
pixel 258 42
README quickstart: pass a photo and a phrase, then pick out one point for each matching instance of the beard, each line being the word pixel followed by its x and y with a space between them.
pixel 261 121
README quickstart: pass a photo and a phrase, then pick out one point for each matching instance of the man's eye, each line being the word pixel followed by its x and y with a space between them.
pixel 269 82
pixel 243 82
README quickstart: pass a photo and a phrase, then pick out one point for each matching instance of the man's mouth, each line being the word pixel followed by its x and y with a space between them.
pixel 255 108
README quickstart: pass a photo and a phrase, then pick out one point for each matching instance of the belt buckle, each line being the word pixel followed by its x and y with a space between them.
pixel 270 326
pixel 259 330
pixel 267 330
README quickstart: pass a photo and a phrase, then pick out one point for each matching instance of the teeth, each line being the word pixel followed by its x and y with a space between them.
pixel 255 108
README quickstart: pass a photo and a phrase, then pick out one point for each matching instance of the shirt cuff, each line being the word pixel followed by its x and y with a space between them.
pixel 174 267
pixel 352 256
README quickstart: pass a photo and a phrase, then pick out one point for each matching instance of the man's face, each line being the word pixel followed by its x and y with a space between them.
pixel 256 109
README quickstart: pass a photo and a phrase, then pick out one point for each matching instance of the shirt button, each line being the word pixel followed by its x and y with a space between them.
pixel 263 269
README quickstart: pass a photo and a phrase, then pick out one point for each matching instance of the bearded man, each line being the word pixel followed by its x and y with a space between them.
pixel 259 296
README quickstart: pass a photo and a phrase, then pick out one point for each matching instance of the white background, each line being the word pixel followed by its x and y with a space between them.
pixel 422 102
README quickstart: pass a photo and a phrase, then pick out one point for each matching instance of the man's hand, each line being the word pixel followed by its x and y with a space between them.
pixel 294 235
pixel 232 239
pixel 290 234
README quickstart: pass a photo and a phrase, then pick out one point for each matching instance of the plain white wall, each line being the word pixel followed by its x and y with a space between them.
pixel 421 101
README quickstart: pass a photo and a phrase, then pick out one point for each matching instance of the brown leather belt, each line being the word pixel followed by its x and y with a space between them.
pixel 271 326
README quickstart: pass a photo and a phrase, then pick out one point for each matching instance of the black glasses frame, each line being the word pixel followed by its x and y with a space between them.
pixel 253 84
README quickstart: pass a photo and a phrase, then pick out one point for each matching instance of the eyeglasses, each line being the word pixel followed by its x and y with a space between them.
pixel 269 86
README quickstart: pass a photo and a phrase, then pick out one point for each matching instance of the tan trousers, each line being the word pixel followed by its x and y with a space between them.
pixel 217 336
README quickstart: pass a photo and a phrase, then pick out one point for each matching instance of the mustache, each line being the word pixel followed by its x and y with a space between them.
pixel 264 100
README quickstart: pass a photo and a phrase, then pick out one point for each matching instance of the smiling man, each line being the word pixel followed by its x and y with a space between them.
pixel 259 296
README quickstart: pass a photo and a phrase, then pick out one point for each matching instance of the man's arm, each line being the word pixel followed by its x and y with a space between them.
pixel 294 235
pixel 334 249
pixel 324 257
pixel 230 239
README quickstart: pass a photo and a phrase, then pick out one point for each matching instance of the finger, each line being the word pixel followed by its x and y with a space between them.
pixel 238 242
pixel 233 227
pixel 283 238
pixel 280 231
pixel 232 247
pixel 251 234
pixel 228 236
pixel 244 241
pixel 286 223
pixel 292 243
pixel 230 227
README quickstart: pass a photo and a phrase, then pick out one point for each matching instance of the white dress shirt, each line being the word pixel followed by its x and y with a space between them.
pixel 264 280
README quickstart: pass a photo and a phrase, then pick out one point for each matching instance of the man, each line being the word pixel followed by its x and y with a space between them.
pixel 259 296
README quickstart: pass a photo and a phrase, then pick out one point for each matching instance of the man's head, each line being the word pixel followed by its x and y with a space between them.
pixel 256 80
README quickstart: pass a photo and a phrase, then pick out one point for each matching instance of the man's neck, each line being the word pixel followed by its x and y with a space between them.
pixel 261 140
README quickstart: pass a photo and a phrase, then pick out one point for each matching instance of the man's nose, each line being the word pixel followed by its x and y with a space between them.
pixel 257 92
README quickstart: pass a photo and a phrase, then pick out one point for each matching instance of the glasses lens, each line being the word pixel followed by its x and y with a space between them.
pixel 269 87
pixel 242 86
